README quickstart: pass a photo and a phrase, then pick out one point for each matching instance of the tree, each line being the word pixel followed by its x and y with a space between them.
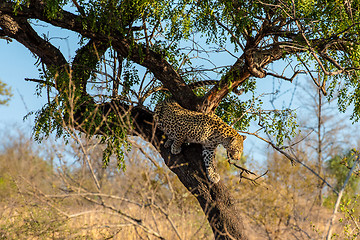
pixel 126 48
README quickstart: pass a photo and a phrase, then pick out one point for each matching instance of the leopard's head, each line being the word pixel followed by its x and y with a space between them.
pixel 235 148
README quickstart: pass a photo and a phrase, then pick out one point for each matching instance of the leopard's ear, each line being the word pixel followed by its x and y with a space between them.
pixel 234 140
pixel 244 137
pixel 231 139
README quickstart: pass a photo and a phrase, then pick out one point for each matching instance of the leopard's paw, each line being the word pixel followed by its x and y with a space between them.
pixel 168 143
pixel 175 150
pixel 212 175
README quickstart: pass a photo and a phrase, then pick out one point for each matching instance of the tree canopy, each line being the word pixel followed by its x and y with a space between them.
pixel 127 48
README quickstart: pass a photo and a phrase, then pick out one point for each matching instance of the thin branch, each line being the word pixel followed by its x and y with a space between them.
pixel 295 160
pixel 116 78
pixel 4 36
pixel 88 162
pixel 92 194
pixel 79 8
pixel 244 170
pixel 313 53
pixel 285 78
pixel 321 87
pixel 36 190
pixel 40 81
pixel 230 32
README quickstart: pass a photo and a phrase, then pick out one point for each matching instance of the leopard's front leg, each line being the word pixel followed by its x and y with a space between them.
pixel 175 141
pixel 209 156
pixel 168 143
pixel 176 145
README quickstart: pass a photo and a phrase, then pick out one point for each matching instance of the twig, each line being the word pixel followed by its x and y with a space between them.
pixel 253 181
pixel 285 78
pixel 134 221
pixel 40 81
pixel 43 200
pixel 75 136
pixel 79 8
pixel 230 32
pixel 322 87
pixel 244 170
pixel 6 38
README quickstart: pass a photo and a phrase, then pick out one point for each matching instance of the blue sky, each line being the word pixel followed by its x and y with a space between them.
pixel 17 63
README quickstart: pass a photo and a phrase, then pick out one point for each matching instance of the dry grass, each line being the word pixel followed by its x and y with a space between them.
pixel 146 201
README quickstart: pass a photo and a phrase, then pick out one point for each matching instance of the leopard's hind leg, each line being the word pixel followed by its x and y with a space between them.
pixel 209 157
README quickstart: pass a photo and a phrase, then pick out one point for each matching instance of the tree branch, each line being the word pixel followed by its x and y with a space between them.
pixel 40 81
pixel 153 61
pixel 240 72
pixel 20 30
pixel 283 77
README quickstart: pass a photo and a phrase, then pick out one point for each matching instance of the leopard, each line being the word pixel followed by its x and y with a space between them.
pixel 181 125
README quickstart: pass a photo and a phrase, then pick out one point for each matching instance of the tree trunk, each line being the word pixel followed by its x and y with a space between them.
pixel 214 199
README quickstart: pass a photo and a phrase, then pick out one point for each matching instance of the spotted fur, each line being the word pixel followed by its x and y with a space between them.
pixel 182 125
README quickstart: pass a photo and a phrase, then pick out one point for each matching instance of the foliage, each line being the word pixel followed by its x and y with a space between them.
pixel 338 168
pixel 279 124
pixel 350 208
pixel 5 93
